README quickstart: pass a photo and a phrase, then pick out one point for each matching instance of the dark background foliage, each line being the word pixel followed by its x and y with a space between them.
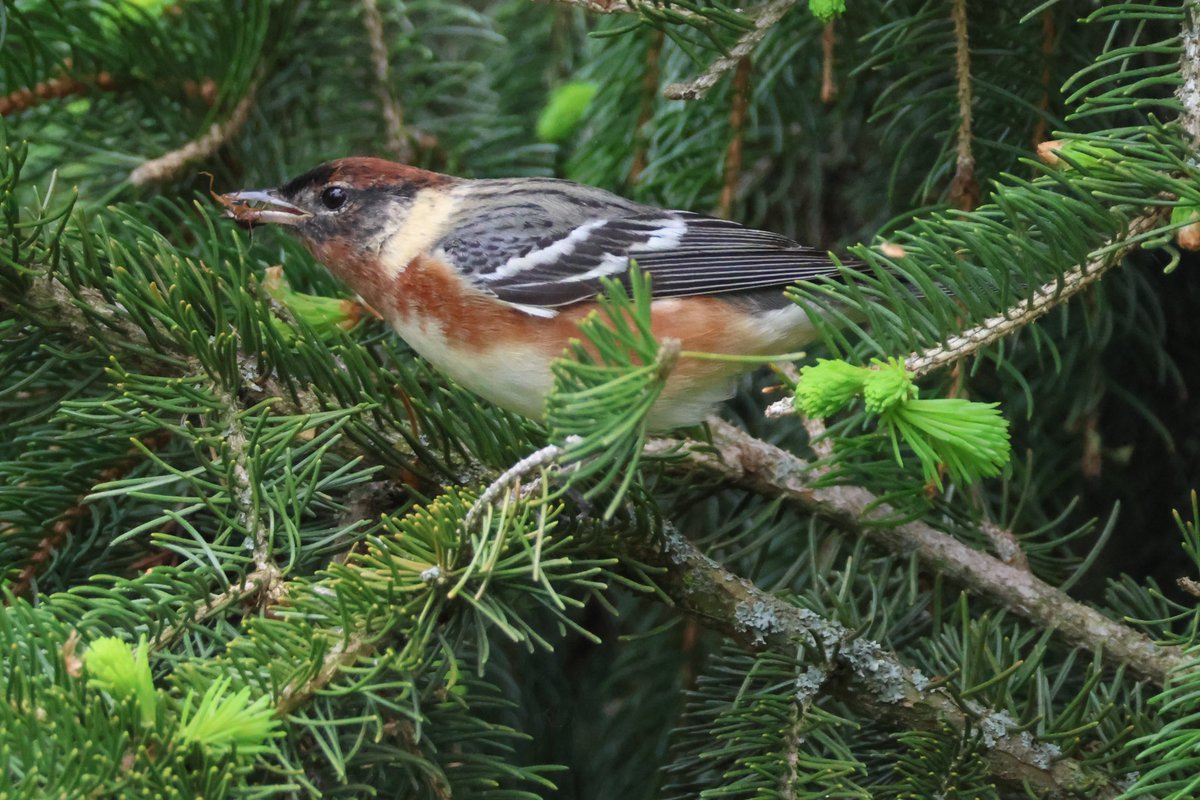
pixel 184 457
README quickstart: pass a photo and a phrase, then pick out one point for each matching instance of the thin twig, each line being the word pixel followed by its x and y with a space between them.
pixel 698 87
pixel 649 97
pixel 251 585
pixel 742 460
pixel 1044 300
pixel 168 166
pixel 338 655
pixel 797 715
pixel 511 477
pixel 964 188
pixel 818 439
pixel 243 486
pixel 737 126
pixel 393 115
pixel 1049 34
pixel 66 86
pixel 828 84
pixel 619 7
pixel 20 100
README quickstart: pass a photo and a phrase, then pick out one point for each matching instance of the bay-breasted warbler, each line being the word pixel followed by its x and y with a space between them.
pixel 487 279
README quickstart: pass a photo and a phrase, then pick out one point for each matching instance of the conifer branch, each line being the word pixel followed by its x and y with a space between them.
pixel 168 166
pixel 1047 298
pixel 696 88
pixel 619 7
pixel 249 586
pixel 742 460
pixel 865 676
pixel 19 100
pixel 339 654
pixel 243 491
pixel 511 478
pixel 1051 295
pixel 393 116
pixel 649 96
pixel 1044 300
pixel 50 303
pixel 1188 92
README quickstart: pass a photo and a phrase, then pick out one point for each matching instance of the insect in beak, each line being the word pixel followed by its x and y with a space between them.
pixel 261 206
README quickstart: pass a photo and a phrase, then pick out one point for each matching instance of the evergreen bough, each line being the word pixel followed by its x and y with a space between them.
pixel 251 546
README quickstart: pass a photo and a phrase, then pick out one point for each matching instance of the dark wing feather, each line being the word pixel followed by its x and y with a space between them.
pixel 686 254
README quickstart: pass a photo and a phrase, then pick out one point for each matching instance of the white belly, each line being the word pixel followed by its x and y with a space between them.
pixel 513 377
pixel 518 378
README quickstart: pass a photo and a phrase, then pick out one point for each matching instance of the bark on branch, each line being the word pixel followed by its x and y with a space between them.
pixel 744 461
pixel 865 676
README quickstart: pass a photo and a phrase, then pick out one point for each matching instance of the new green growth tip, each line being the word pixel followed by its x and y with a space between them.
pixel 969 439
pixel 116 667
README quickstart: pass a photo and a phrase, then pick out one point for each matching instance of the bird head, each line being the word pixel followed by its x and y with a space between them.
pixel 351 201
pixel 345 212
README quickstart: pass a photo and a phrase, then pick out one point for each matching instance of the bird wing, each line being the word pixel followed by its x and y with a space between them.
pixel 563 261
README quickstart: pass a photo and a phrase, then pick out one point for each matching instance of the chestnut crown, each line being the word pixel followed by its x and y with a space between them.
pixel 349 197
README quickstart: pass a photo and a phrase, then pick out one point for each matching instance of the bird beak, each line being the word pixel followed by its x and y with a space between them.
pixel 262 206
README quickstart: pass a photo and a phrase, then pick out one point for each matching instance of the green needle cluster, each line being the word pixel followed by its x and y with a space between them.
pixel 603 391
pixel 970 440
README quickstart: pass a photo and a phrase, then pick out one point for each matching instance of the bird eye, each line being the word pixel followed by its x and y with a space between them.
pixel 333 198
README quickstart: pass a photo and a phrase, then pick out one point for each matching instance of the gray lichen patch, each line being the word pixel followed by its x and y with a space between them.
pixel 757 619
pixel 888 680
pixel 995 727
pixel 883 676
pixel 809 682
pixel 760 619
